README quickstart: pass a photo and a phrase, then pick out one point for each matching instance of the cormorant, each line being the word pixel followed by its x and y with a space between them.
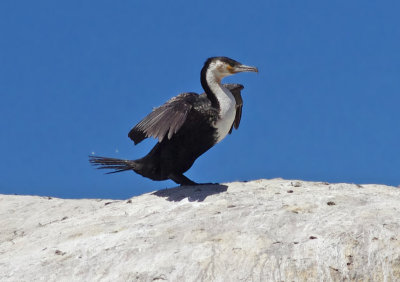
pixel 186 126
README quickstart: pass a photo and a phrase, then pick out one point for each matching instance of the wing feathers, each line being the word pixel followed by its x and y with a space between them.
pixel 167 118
pixel 235 90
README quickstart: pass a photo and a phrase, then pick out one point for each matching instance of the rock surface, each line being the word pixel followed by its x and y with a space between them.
pixel 263 230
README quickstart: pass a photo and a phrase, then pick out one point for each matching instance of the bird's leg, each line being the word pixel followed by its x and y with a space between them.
pixel 181 179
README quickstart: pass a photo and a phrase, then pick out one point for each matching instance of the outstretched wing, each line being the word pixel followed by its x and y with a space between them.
pixel 235 90
pixel 166 119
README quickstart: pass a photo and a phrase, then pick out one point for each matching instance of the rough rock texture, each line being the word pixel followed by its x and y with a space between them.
pixel 264 230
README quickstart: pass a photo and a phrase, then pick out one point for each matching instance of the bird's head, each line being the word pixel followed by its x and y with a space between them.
pixel 220 67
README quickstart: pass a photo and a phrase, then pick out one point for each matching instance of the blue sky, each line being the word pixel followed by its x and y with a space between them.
pixel 75 76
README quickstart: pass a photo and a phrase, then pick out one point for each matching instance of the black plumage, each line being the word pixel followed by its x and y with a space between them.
pixel 185 129
pixel 170 117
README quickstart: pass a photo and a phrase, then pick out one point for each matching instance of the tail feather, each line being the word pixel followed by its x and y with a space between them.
pixel 117 165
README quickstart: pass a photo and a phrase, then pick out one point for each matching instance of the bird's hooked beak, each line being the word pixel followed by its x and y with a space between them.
pixel 244 68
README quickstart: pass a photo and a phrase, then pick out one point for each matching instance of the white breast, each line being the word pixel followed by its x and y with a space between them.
pixel 225 98
pixel 227 114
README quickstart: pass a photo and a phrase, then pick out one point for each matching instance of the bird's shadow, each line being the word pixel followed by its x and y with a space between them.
pixel 196 193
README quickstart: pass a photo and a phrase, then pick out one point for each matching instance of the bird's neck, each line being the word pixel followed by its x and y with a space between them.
pixel 212 86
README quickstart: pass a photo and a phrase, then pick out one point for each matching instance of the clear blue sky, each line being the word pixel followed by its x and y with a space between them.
pixel 75 76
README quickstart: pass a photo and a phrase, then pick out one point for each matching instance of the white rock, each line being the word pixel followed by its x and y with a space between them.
pixel 264 230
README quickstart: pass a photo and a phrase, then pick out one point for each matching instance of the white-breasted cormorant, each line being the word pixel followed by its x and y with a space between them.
pixel 186 126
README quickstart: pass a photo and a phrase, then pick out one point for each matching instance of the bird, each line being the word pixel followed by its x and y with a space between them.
pixel 186 126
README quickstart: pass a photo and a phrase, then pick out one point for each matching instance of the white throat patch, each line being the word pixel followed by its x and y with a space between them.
pixel 227 105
